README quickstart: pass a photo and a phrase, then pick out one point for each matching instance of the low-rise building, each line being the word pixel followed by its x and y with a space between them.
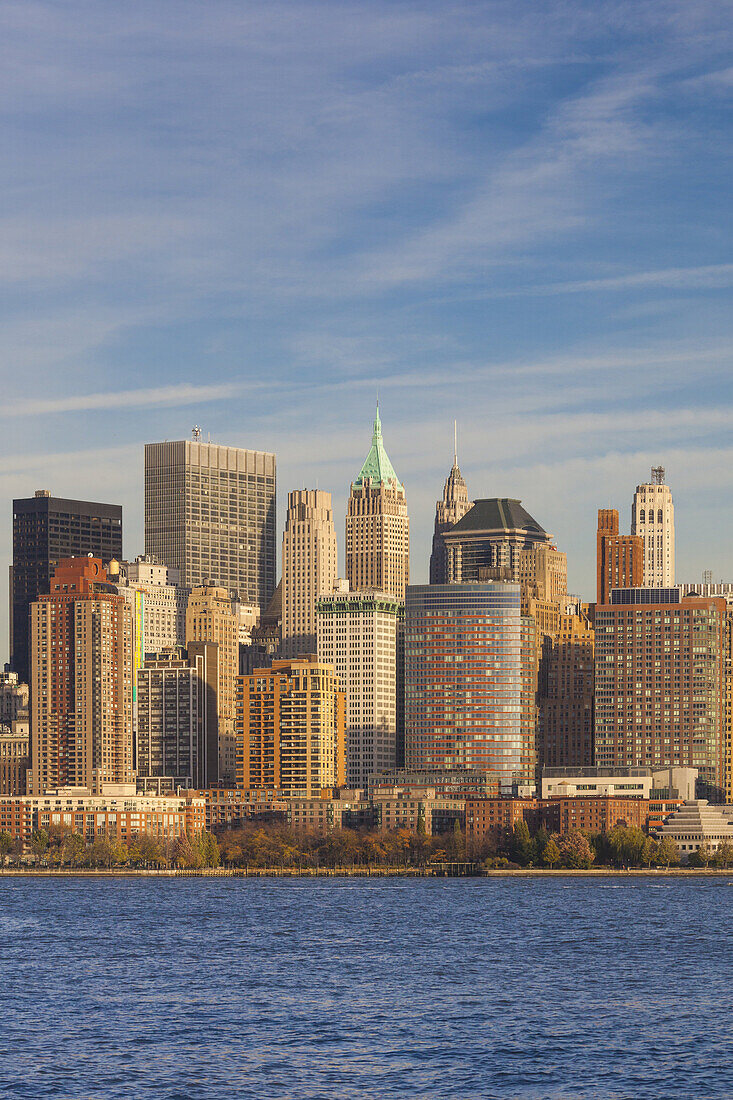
pixel 598 814
pixel 229 808
pixel 488 820
pixel 117 812
pixel 696 823
pixel 421 810
pixel 618 782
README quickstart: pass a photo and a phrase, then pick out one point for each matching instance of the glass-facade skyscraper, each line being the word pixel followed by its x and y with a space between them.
pixel 464 680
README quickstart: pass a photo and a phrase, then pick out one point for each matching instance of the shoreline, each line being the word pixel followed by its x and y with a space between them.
pixel 373 872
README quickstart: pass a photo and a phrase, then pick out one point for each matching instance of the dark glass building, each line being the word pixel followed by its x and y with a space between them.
pixel 46 530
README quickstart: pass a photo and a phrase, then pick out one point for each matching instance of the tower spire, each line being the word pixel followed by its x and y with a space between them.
pixel 455 442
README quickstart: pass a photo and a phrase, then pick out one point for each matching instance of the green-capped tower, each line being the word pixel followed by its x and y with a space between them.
pixel 377 526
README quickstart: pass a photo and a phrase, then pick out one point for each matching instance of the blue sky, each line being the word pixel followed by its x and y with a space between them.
pixel 254 216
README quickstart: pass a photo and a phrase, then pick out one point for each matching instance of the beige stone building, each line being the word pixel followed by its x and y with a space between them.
pixel 210 618
pixel 652 517
pixel 309 567
pixel 377 526
pixel 81 682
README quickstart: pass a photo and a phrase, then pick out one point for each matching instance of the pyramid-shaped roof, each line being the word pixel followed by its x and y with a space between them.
pixel 377 466
pixel 498 514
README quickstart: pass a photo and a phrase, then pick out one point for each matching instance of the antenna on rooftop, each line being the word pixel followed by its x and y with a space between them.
pixel 196 432
pixel 455 442
pixel 657 475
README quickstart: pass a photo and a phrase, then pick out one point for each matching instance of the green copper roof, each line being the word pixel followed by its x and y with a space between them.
pixel 377 466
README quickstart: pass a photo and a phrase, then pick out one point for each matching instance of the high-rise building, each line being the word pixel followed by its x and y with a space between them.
pixel 210 618
pixel 158 599
pixel 310 565
pixel 46 530
pixel 660 683
pixel 177 722
pixel 497 539
pixel 464 680
pixel 377 526
pixel 448 512
pixel 652 518
pixel 565 732
pixel 210 513
pixel 291 721
pixel 619 558
pixel 361 634
pixel 81 681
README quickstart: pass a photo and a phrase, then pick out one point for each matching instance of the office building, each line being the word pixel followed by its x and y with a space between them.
pixel 309 564
pixel 448 512
pixel 697 823
pixel 177 734
pixel 291 724
pixel 660 695
pixel 46 530
pixel 497 539
pixel 361 635
pixel 464 680
pixel 81 681
pixel 619 558
pixel 611 782
pixel 652 518
pixel 210 618
pixel 210 513
pixel 377 526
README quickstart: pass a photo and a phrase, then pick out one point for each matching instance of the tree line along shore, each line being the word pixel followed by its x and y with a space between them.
pixel 273 845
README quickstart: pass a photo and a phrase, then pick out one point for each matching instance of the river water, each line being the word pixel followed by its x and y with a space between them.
pixel 176 989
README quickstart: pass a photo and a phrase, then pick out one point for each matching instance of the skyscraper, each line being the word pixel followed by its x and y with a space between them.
pixel 210 512
pixel 81 681
pixel 210 618
pixel 46 530
pixel 497 539
pixel 448 512
pixel 377 526
pixel 360 634
pixel 652 517
pixel 660 685
pixel 464 680
pixel 177 720
pixel 309 567
pixel 619 558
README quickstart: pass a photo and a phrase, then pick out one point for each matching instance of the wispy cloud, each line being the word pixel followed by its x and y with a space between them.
pixel 160 397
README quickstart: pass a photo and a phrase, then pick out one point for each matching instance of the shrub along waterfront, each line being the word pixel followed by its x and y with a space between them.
pixel 274 845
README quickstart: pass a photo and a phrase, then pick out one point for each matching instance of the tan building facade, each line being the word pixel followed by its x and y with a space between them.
pixel 652 518
pixel 210 618
pixel 291 728
pixel 377 526
pixel 81 682
pixel 309 567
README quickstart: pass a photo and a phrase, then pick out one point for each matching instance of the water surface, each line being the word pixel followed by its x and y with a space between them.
pixel 176 989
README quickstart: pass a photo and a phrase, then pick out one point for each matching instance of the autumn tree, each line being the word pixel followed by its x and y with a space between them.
pixel 6 843
pixel 551 854
pixel 724 855
pixel 575 851
pixel 667 852
pixel 39 843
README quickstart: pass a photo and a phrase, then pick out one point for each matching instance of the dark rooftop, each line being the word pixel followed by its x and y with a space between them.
pixel 497 514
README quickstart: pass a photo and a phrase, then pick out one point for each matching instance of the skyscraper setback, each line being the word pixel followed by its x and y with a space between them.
pixel 377 527
pixel 210 513
pixel 309 567
pixel 448 512
pixel 46 530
